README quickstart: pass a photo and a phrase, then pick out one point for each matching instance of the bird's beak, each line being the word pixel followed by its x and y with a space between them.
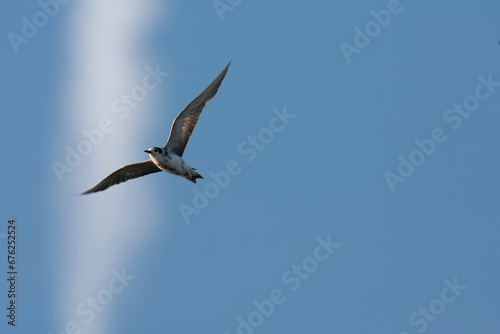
pixel 147 151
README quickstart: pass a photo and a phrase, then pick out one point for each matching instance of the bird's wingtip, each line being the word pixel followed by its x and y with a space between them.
pixel 86 192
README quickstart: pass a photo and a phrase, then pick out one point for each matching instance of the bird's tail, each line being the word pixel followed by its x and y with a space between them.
pixel 194 176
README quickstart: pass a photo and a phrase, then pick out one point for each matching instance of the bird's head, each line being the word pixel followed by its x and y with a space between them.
pixel 154 151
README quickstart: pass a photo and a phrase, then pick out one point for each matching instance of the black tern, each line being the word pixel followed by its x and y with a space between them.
pixel 168 158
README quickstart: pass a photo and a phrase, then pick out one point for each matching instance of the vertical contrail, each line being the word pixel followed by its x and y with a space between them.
pixel 104 230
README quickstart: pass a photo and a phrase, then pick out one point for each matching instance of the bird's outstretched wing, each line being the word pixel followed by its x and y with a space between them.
pixel 184 123
pixel 123 174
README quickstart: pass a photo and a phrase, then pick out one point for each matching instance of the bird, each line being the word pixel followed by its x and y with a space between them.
pixel 168 158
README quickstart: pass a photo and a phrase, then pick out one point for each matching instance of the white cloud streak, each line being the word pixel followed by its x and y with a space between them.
pixel 103 230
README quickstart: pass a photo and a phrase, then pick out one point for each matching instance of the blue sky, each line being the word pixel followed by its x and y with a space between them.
pixel 310 225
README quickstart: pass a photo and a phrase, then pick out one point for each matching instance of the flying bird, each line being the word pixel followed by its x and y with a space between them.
pixel 168 158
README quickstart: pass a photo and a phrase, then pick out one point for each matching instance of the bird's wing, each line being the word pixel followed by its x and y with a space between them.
pixel 184 123
pixel 123 174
